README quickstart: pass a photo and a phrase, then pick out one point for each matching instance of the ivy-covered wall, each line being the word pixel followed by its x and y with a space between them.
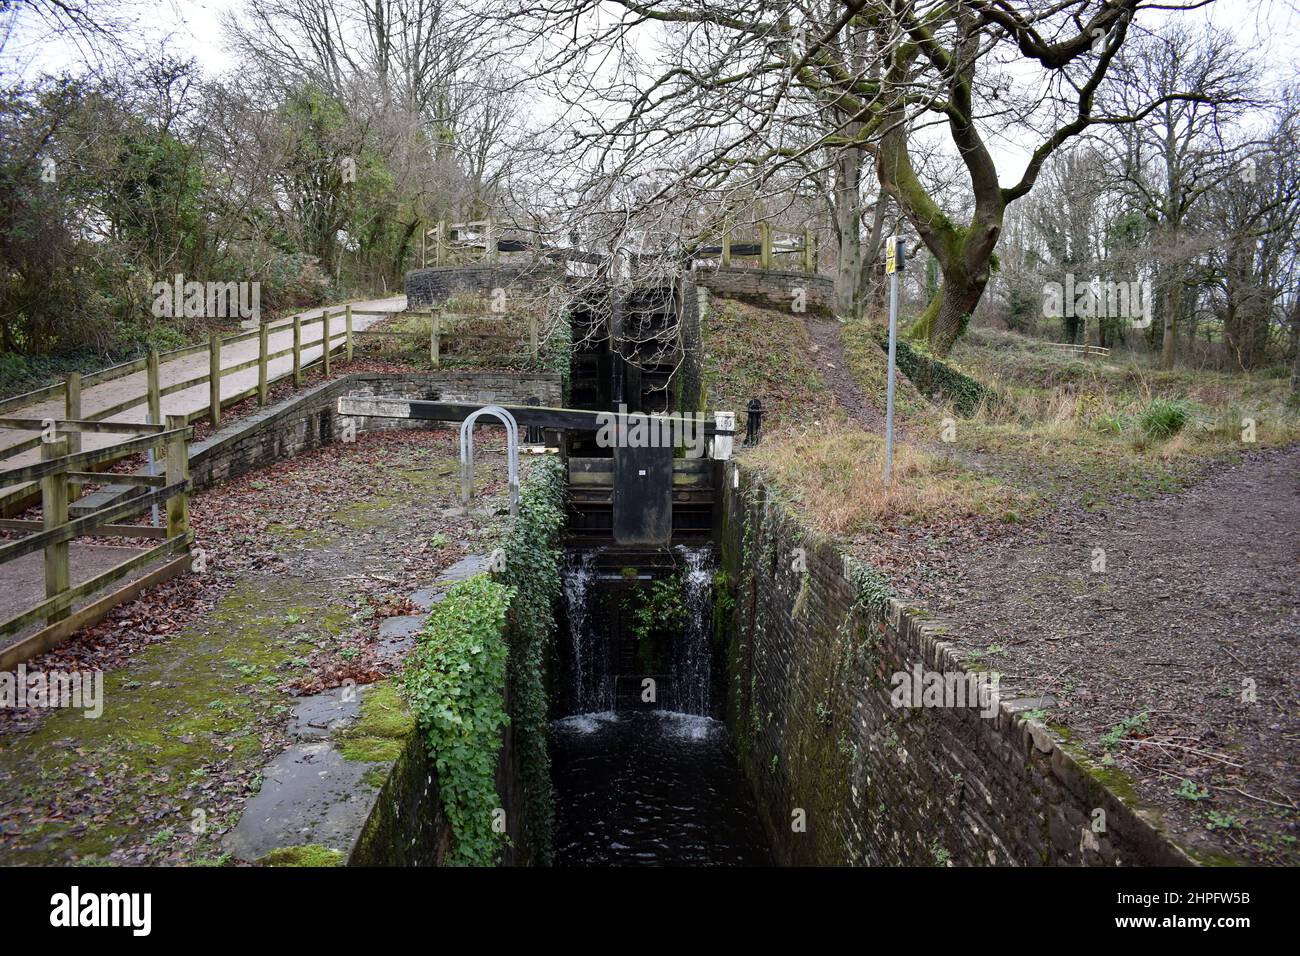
pixel 842 776
pixel 476 684
pixel 935 378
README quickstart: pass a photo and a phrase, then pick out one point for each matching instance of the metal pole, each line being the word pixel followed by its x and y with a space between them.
pixel 889 382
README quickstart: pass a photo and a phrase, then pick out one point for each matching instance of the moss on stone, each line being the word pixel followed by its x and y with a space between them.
pixel 383 728
pixel 308 854
pixel 182 706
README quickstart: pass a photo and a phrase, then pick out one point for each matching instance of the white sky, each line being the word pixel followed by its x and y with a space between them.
pixel 192 28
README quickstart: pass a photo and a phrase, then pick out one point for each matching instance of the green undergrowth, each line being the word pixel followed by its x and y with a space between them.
pixel 940 380
pixel 532 568
pixel 456 679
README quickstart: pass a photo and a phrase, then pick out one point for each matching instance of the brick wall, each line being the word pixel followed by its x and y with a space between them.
pixel 428 287
pixel 809 688
pixel 770 288
pixel 308 421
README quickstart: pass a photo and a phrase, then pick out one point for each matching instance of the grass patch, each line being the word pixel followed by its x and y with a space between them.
pixel 753 352
pixel 835 475
pixel 1163 418
pixel 309 854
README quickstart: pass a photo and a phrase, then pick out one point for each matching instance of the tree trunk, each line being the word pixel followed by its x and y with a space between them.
pixel 1295 346
pixel 945 318
pixel 871 282
pixel 848 219
pixel 1173 305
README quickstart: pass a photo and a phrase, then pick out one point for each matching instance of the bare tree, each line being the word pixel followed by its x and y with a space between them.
pixel 1171 158
pixel 728 99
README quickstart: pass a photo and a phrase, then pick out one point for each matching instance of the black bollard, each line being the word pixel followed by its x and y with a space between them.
pixel 534 432
pixel 754 426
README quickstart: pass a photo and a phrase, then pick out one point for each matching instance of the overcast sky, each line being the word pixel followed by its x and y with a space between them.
pixel 192 28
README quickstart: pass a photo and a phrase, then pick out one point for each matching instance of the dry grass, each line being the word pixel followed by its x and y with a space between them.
pixel 833 473
pixel 753 352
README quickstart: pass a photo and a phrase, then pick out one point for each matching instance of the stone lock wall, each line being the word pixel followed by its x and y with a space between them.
pixel 308 420
pixel 809 706
pixel 434 285
pixel 769 288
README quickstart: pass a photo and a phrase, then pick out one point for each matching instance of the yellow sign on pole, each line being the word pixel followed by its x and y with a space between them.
pixel 893 255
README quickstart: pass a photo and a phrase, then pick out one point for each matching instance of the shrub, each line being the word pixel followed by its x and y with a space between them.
pixel 1164 418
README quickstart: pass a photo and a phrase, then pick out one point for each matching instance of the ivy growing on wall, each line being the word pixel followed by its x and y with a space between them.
pixel 872 587
pixel 532 571
pixel 453 681
pixel 457 675
pixel 557 353
pixel 937 379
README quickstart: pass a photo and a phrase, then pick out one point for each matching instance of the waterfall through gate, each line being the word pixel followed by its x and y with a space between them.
pixel 590 686
pixel 692 664
pixel 637 781
pixel 612 646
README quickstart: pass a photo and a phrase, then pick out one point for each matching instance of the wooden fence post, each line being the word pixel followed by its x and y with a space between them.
pixel 153 387
pixel 325 342
pixel 54 513
pixel 263 350
pixel 178 470
pixel 214 379
pixel 765 245
pixel 435 336
pixel 297 351
pixel 72 412
pixel 348 342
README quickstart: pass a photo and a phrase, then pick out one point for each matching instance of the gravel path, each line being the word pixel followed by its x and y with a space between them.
pixel 1193 623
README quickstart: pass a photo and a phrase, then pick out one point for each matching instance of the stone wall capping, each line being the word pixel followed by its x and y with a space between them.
pixel 941 783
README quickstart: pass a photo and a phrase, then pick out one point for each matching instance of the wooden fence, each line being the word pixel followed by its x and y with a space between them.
pixel 766 249
pixel 1080 349
pixel 70 390
pixel 59 471
pixel 483 241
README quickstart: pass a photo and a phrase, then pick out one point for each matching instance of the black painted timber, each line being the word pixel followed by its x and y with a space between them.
pixel 560 419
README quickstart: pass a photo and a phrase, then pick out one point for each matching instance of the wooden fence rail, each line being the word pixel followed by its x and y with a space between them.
pixel 72 388
pixel 60 470
pixel 1080 349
